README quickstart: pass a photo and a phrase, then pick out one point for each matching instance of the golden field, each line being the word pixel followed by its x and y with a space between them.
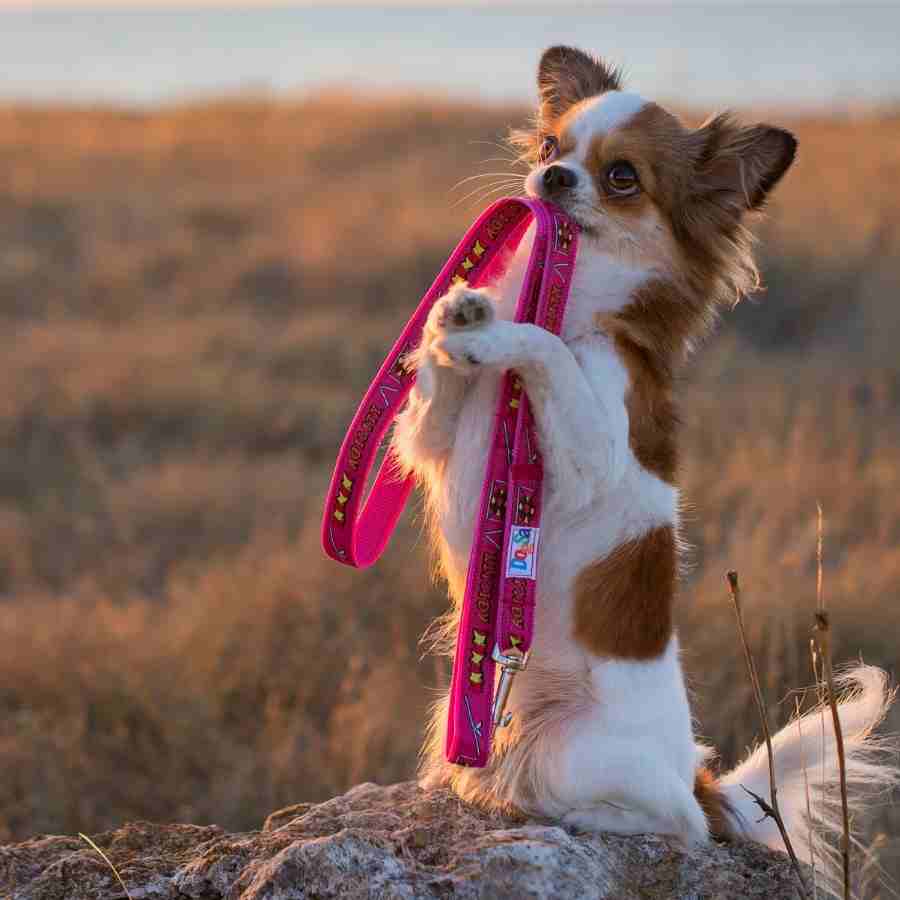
pixel 192 302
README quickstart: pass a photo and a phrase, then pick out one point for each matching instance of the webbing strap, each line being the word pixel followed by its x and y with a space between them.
pixel 499 601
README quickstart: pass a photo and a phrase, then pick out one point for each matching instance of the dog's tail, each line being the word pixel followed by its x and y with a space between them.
pixel 807 775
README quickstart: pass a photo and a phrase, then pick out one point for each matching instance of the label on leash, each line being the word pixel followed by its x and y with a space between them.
pixel 521 557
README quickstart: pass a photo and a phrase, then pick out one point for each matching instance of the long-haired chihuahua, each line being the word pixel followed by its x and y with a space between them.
pixel 601 736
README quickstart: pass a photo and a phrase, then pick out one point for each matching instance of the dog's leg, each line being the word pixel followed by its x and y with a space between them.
pixel 583 433
pixel 622 786
pixel 624 758
pixel 426 429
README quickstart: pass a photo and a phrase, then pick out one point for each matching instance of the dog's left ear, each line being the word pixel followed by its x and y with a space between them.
pixel 736 167
pixel 567 75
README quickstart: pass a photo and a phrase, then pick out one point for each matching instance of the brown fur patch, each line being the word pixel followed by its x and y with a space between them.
pixel 623 603
pixel 716 807
pixel 732 170
pixel 653 141
pixel 652 415
pixel 651 335
pixel 703 182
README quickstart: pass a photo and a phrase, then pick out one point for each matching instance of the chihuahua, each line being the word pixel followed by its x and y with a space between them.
pixel 601 736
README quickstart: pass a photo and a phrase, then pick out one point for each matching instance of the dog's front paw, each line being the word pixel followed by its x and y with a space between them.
pixel 463 308
pixel 458 326
pixel 467 350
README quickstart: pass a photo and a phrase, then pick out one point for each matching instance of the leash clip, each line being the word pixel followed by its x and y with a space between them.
pixel 511 662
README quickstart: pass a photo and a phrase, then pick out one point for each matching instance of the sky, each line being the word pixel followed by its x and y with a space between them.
pixel 710 53
pixel 148 4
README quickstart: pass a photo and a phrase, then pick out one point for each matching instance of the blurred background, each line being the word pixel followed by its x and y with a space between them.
pixel 214 221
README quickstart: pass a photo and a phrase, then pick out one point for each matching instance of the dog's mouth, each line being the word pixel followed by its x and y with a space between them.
pixel 565 198
pixel 568 199
pixel 583 216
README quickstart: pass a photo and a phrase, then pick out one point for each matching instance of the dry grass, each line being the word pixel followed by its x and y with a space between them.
pixel 183 344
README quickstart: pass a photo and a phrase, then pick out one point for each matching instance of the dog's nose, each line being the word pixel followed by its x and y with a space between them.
pixel 558 177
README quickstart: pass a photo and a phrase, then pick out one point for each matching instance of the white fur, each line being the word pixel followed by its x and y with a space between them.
pixel 629 766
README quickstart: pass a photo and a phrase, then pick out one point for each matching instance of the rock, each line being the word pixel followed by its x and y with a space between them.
pixel 283 816
pixel 387 842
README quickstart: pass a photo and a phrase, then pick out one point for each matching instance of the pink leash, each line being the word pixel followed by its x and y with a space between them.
pixel 497 620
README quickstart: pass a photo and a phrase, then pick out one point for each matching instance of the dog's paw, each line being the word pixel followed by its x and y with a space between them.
pixel 473 348
pixel 462 309
pixel 687 826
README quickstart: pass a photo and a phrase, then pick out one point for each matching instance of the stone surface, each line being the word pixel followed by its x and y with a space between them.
pixel 386 842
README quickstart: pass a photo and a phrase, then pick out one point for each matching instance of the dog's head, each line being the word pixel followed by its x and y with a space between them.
pixel 637 179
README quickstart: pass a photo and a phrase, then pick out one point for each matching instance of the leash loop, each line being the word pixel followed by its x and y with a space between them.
pixel 499 601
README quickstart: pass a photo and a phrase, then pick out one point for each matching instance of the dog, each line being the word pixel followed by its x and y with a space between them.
pixel 601 736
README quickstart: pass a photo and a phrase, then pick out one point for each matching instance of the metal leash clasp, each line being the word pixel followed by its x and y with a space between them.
pixel 511 662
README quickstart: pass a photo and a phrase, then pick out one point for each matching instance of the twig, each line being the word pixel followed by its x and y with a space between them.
pixel 809 817
pixel 105 858
pixel 769 809
pixel 822 630
pixel 820 594
pixel 822 633
pixel 820 706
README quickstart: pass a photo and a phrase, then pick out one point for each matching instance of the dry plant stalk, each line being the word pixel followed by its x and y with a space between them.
pixel 822 633
pixel 769 809
pixel 822 630
pixel 809 816
pixel 820 705
pixel 106 859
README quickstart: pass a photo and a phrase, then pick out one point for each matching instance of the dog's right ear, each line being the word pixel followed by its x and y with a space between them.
pixel 567 75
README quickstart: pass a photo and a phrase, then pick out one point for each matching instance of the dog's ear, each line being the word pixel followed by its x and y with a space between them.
pixel 567 75
pixel 736 167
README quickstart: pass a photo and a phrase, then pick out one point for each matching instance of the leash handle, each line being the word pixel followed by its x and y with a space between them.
pixel 497 616
pixel 355 529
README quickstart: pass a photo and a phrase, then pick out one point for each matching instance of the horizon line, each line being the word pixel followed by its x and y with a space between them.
pixel 187 5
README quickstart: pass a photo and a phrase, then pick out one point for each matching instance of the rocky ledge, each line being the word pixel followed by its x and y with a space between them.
pixel 385 842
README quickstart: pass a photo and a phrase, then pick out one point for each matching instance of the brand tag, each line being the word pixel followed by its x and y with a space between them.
pixel 521 558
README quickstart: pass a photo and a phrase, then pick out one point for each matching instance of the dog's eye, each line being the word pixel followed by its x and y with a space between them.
pixel 549 148
pixel 622 178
